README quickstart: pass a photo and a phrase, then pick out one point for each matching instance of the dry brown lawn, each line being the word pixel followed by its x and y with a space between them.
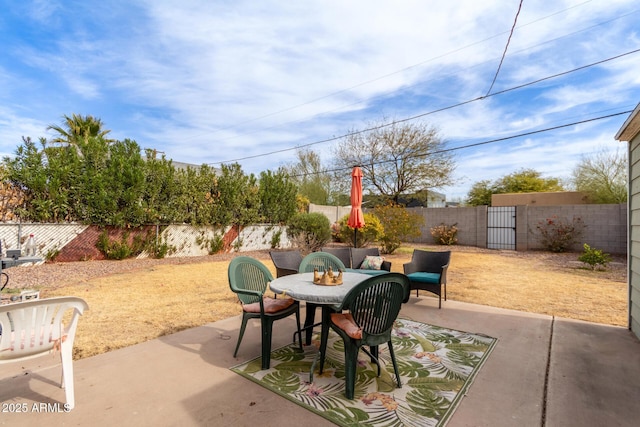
pixel 137 300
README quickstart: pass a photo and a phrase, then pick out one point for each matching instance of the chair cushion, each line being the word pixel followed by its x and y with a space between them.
pixel 271 305
pixel 372 263
pixel 345 322
pixel 424 277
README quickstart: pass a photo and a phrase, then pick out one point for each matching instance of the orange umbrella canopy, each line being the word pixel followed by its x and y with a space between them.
pixel 356 218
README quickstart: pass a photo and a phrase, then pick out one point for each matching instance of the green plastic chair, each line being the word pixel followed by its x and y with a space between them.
pixel 373 307
pixel 321 261
pixel 249 278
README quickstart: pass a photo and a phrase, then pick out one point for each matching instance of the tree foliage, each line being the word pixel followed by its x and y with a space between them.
pixel 90 179
pixel 522 181
pixel 309 231
pixel 237 201
pixel 79 129
pixel 399 225
pixel 602 176
pixel 371 232
pixel 310 177
pixel 399 159
pixel 278 197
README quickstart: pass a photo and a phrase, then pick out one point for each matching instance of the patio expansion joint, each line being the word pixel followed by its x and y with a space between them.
pixel 546 375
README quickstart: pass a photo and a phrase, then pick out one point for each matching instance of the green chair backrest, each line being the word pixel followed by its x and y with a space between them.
pixel 322 261
pixel 375 304
pixel 248 274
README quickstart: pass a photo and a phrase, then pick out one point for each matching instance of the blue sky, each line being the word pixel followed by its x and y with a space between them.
pixel 224 81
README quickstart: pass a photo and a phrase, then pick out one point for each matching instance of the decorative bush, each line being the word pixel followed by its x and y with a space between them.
pixel 558 235
pixel 370 233
pixel 309 231
pixel 113 249
pixel 594 257
pixel 128 247
pixel 398 225
pixel 445 234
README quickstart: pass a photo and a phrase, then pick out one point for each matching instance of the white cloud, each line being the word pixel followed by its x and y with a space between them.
pixel 214 81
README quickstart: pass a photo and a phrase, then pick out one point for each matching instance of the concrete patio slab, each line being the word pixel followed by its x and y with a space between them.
pixel 184 379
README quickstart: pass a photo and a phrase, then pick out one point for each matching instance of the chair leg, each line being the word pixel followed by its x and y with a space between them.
pixel 324 335
pixel 267 326
pixel 350 367
pixel 66 354
pixel 395 365
pixel 240 335
pixel 373 356
pixel 308 322
pixel 299 331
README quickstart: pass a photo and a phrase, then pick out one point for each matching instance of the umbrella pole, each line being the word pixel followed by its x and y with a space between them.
pixel 355 237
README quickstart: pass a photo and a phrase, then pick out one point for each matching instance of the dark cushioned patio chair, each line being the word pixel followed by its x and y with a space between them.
pixel 427 271
pixel 359 254
pixel 343 254
pixel 249 278
pixel 286 262
pixel 373 307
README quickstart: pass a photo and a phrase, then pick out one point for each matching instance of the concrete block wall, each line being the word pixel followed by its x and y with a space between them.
pixel 76 242
pixel 605 225
pixel 471 224
pixel 334 213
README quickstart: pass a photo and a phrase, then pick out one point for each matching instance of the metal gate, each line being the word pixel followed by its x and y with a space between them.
pixel 501 227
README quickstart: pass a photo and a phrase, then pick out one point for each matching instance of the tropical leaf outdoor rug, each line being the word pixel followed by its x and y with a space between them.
pixel 436 365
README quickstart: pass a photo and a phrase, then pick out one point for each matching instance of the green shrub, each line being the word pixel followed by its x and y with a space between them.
pixel 215 244
pixel 594 257
pixel 128 248
pixel 113 249
pixel 212 245
pixel 162 249
pixel 445 234
pixel 558 235
pixel 309 231
pixel 370 233
pixel 52 254
pixel 275 239
pixel 398 225
pixel 158 248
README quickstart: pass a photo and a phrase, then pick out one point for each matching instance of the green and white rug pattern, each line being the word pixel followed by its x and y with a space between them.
pixel 436 365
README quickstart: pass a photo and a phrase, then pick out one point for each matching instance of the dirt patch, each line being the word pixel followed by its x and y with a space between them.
pixel 135 300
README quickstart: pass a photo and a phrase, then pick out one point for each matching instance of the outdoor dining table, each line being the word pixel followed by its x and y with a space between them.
pixel 300 287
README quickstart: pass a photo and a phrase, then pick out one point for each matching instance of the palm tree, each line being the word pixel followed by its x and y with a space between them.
pixel 79 129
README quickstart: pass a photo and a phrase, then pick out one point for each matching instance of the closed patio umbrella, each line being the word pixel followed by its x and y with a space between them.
pixel 356 218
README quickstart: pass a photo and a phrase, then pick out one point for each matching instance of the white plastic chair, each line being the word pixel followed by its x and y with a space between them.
pixel 35 328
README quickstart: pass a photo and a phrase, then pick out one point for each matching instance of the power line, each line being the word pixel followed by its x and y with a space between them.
pixel 412 66
pixel 403 70
pixel 469 101
pixel 504 53
pixel 490 141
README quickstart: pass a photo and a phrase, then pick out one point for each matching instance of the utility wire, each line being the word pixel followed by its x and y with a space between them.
pixel 360 101
pixel 335 138
pixel 506 47
pixel 397 72
pixel 346 90
pixel 477 144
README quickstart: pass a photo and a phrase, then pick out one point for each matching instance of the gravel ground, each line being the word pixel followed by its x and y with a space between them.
pixel 53 275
